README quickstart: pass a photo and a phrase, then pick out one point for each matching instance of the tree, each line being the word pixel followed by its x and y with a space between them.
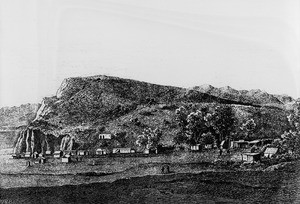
pixel 181 118
pixel 196 126
pixel 221 122
pixel 121 138
pixel 207 138
pixel 294 118
pixel 292 137
pixel 149 138
pixel 248 128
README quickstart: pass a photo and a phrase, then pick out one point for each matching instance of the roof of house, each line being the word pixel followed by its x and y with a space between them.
pixel 100 149
pixel 252 153
pixel 57 152
pixel 271 150
pixel 254 141
pixel 241 141
pixel 123 148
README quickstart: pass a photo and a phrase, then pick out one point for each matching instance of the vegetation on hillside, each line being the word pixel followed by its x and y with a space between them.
pixel 127 108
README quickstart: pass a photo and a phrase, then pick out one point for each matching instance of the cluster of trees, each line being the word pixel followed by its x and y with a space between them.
pixel 149 139
pixel 205 125
pixel 215 124
pixel 292 137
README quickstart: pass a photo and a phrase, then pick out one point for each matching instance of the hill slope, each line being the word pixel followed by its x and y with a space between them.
pixel 85 106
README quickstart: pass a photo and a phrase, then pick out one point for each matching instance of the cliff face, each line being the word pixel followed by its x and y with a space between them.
pixel 83 105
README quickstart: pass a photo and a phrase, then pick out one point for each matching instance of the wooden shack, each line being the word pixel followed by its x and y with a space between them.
pixel 57 154
pixel 195 147
pixel 105 136
pixel 270 151
pixel 251 157
pixel 101 151
pixel 122 150
pixel 240 144
pixel 48 152
pixel 82 153
pixel 208 146
pixel 27 154
pixel 65 160
pixel 70 152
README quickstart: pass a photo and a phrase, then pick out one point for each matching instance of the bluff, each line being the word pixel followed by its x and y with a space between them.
pixel 83 107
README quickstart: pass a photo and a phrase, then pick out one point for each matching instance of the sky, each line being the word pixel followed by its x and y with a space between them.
pixel 245 44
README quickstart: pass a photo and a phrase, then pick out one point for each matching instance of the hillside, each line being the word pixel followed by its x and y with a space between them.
pixel 11 119
pixel 85 106
pixel 17 115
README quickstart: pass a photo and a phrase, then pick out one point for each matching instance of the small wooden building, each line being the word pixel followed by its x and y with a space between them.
pixel 270 151
pixel 38 161
pixel 101 151
pixel 251 157
pixel 240 144
pixel 27 154
pixel 82 152
pixel 208 146
pixel 70 152
pixel 57 154
pixel 195 147
pixel 105 136
pixel 48 152
pixel 65 160
pixel 122 150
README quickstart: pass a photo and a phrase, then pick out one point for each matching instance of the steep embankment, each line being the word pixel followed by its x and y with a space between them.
pixel 85 106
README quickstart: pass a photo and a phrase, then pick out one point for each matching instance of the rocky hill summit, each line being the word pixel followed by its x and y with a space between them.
pixel 83 107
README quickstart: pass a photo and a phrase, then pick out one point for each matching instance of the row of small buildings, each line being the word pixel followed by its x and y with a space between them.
pixel 239 144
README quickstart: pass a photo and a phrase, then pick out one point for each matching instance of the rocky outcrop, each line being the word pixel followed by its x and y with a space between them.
pixel 21 145
pixel 67 143
pixel 33 140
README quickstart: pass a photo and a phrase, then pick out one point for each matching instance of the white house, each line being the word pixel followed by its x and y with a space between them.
pixel 122 150
pixel 101 151
pixel 270 151
pixel 65 159
pixel 57 154
pixel 195 147
pixel 27 154
pixel 82 152
pixel 105 136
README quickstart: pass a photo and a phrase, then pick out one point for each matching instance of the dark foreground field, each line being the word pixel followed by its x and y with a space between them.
pixel 207 187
